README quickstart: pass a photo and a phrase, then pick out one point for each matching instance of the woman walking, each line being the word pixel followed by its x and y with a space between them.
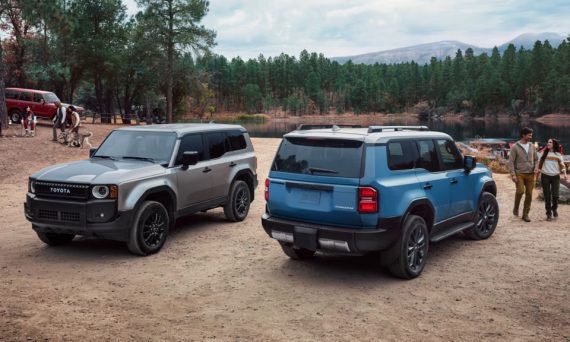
pixel 551 165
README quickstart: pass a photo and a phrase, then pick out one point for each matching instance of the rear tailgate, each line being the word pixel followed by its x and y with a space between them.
pixel 316 181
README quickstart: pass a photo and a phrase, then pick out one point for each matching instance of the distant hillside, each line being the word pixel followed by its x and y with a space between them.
pixel 422 53
pixel 527 40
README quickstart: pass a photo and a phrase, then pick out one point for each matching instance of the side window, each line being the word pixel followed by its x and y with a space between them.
pixel 401 155
pixel 450 156
pixel 25 97
pixel 190 142
pixel 235 140
pixel 216 144
pixel 427 158
pixel 38 98
pixel 10 94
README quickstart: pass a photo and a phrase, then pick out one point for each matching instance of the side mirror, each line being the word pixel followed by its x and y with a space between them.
pixel 92 152
pixel 469 163
pixel 189 158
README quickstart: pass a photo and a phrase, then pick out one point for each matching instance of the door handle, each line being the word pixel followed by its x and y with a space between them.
pixel 454 181
pixel 428 186
pixel 232 164
pixel 206 170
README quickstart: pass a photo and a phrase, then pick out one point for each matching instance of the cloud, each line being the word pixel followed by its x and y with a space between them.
pixel 248 28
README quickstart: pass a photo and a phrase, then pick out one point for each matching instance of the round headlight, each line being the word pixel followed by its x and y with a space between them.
pixel 100 191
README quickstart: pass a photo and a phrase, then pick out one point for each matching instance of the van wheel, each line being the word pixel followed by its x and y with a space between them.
pixel 15 116
pixel 55 239
pixel 297 253
pixel 237 207
pixel 486 218
pixel 411 250
pixel 150 229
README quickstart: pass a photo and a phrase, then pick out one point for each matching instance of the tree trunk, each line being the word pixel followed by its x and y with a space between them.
pixel 3 114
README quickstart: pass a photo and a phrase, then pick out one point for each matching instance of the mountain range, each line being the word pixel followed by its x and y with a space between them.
pixel 422 53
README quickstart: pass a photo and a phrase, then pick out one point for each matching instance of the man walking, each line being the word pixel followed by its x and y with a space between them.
pixel 523 164
pixel 58 120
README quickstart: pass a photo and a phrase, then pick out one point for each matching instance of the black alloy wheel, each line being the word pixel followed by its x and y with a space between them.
pixel 486 218
pixel 154 228
pixel 237 206
pixel 417 249
pixel 242 202
pixel 407 258
pixel 150 229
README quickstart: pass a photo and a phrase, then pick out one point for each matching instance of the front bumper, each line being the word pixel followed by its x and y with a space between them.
pixel 332 239
pixel 98 218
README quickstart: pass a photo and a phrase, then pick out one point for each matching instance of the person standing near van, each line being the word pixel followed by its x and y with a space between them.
pixel 58 120
pixel 523 165
pixel 75 123
pixel 551 165
pixel 29 122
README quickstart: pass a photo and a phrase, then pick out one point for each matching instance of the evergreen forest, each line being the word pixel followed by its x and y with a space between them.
pixel 91 52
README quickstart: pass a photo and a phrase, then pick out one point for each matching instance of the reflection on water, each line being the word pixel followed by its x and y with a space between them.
pixel 461 131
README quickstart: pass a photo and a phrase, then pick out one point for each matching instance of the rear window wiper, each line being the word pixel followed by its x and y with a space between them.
pixel 140 158
pixel 103 157
pixel 318 169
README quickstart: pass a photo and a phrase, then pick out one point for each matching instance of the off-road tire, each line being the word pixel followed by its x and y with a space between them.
pixel 55 239
pixel 296 253
pixel 411 250
pixel 149 230
pixel 486 218
pixel 239 201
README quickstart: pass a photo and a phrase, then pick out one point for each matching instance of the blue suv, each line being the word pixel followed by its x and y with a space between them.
pixel 387 189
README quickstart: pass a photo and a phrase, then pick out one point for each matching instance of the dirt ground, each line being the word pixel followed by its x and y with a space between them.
pixel 216 280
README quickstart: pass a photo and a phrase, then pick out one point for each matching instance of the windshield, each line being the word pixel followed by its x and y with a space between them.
pixel 323 157
pixel 153 147
pixel 51 97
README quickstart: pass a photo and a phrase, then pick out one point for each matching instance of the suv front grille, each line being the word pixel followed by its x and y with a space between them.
pixel 70 217
pixel 62 190
pixel 47 214
pixel 54 215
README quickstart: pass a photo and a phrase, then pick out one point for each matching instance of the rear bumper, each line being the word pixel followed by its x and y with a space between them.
pixel 332 239
pixel 91 218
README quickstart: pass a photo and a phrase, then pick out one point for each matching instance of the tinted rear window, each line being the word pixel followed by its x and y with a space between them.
pixel 401 155
pixel 323 157
pixel 10 94
pixel 235 140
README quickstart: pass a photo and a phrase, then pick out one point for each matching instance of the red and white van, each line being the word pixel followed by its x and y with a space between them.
pixel 41 102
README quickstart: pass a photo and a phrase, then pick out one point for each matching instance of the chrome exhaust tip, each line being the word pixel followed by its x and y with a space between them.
pixel 335 245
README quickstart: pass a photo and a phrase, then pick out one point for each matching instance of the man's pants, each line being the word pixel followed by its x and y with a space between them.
pixel 55 127
pixel 551 188
pixel 525 185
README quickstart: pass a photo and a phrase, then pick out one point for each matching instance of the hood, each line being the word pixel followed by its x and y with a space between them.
pixel 95 171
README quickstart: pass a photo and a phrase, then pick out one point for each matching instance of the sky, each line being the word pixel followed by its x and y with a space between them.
pixel 248 28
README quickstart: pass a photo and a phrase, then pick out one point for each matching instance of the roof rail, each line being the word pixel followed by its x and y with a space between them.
pixel 304 127
pixel 375 129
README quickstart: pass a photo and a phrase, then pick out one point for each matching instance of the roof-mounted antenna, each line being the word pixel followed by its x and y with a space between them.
pixel 335 128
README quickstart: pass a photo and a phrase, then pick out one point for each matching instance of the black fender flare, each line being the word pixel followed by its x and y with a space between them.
pixel 415 203
pixel 155 190
pixel 249 174
pixel 490 184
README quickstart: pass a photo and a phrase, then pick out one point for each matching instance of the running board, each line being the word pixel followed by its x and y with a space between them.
pixel 450 231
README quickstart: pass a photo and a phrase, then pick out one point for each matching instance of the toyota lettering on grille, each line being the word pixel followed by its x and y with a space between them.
pixel 60 191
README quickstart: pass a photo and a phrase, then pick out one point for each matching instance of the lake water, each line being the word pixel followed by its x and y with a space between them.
pixel 460 131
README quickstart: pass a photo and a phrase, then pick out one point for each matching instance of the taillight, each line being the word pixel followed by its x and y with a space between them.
pixel 267 189
pixel 367 200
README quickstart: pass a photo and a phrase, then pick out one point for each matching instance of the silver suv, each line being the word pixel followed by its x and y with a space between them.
pixel 140 180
